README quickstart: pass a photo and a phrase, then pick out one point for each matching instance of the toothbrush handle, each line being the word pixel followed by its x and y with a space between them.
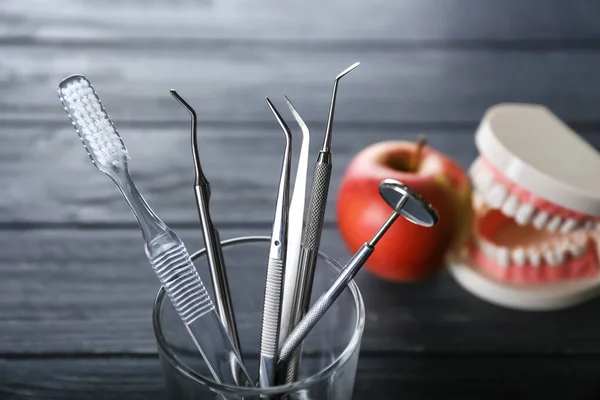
pixel 180 279
pixel 217 349
pixel 149 223
pixel 168 256
pixel 192 302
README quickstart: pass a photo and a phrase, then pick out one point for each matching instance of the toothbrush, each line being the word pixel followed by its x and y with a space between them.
pixel 164 249
pixel 269 335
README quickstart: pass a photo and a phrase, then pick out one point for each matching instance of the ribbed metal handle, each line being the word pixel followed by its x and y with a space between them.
pixel 311 239
pixel 323 303
pixel 304 327
pixel 303 291
pixel 291 373
pixel 182 283
pixel 272 305
pixel 316 206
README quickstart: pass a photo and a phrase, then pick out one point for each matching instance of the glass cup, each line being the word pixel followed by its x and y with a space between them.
pixel 329 353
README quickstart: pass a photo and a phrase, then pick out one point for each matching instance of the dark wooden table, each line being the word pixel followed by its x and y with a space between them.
pixel 75 287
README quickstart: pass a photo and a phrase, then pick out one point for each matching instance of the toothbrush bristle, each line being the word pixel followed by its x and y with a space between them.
pixel 92 123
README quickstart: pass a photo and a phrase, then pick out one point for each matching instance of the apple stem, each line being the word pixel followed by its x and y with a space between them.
pixel 421 142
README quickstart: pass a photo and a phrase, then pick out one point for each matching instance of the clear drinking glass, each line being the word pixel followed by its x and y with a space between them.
pixel 329 354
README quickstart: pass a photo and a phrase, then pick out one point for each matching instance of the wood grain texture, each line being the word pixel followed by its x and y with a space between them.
pixel 75 304
pixel 126 379
pixel 228 83
pixel 312 21
pixel 242 165
pixel 46 175
pixel 389 378
pixel 68 292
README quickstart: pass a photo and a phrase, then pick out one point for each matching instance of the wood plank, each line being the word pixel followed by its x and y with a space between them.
pixel 401 20
pixel 126 379
pixel 91 291
pixel 228 83
pixel 47 177
pixel 240 164
pixel 388 378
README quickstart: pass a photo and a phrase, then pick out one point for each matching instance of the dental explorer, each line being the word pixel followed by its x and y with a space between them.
pixel 311 237
pixel 212 241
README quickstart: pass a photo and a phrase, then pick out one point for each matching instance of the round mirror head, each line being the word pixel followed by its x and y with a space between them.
pixel 416 209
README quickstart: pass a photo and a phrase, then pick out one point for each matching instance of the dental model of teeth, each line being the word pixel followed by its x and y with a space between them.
pixel 536 202
pixel 507 251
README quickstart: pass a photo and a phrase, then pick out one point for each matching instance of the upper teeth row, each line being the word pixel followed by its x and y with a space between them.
pixel 497 196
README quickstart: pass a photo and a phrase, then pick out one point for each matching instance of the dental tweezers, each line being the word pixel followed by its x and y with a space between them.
pixel 296 220
pixel 271 317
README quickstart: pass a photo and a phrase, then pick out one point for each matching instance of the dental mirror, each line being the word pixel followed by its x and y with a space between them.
pixel 404 202
pixel 408 203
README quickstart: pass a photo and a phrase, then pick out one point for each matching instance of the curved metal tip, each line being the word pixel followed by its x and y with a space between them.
pixel 328 129
pixel 297 117
pixel 347 70
pixel 194 128
pixel 282 123
pixel 183 102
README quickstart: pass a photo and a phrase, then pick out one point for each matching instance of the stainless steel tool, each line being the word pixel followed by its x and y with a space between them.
pixel 296 221
pixel 212 240
pixel 405 202
pixel 269 339
pixel 311 237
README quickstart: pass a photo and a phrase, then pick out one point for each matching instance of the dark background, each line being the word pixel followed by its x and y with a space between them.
pixel 75 287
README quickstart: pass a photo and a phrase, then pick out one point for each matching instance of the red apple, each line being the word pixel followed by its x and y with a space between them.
pixel 408 252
